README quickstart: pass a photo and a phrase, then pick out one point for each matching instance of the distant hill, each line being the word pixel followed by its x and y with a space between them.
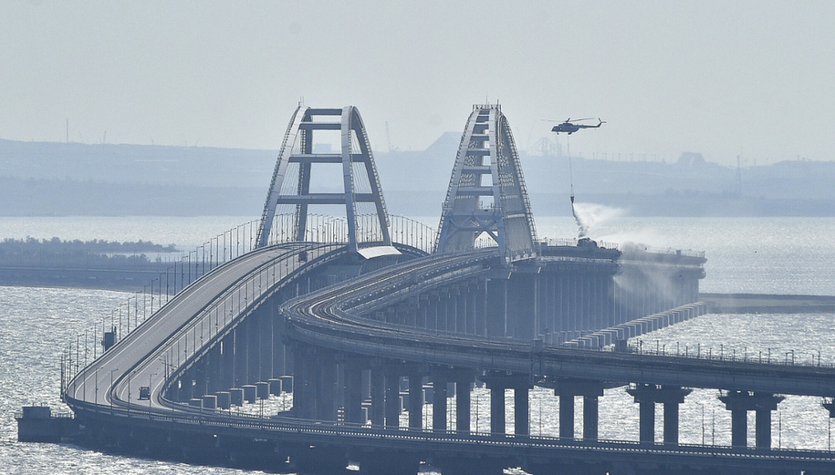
pixel 38 178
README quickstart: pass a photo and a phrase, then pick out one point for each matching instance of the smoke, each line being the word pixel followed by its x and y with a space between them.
pixel 589 215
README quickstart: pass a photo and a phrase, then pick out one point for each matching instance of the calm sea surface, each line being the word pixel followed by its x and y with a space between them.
pixel 759 255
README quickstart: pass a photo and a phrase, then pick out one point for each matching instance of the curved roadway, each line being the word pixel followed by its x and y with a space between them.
pixel 332 317
pixel 184 326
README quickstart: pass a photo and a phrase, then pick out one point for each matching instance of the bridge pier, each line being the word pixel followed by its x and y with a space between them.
pixel 496 307
pixel 239 357
pixel 279 366
pixel 326 392
pixel 590 390
pixel 739 403
pixel 303 385
pixel 647 395
pixel 463 386
pixel 523 295
pixel 497 383
pixel 267 345
pixel 392 397
pixel 463 379
pixel 227 361
pixel 201 376
pixel 378 396
pixel 415 399
pixel 521 409
pixel 215 365
pixel 353 369
pixel 439 400
pixel 253 353
pixel 315 381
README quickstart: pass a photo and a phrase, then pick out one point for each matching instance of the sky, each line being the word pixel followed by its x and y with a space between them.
pixel 723 78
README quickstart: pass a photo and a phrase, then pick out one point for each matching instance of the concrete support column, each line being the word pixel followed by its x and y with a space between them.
pixel 304 383
pixel 267 346
pixel 739 403
pixel 497 307
pixel 201 377
pixel 497 418
pixel 481 309
pixel 215 366
pixel 326 386
pixel 590 390
pixel 497 382
pixel 763 428
pixel 739 428
pixel 646 395
pixel 392 404
pixel 240 350
pixel 378 398
pixel 462 403
pixel 590 417
pixel 353 392
pixel 227 361
pixel 671 423
pixel 439 406
pixel 647 422
pixel 521 303
pixel 521 411
pixel 566 415
pixel 415 400
pixel 253 368
pixel 278 348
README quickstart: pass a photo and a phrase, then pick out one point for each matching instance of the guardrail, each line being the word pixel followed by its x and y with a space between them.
pixel 215 252
pixel 214 418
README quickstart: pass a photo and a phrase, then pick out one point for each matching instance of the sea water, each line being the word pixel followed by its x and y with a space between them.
pixel 757 255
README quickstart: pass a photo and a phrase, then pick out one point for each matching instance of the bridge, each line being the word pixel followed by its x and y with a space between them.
pixel 361 320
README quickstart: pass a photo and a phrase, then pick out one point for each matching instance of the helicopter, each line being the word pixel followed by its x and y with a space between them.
pixel 570 127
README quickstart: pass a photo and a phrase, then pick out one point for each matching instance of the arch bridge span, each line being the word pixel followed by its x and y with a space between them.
pixel 353 335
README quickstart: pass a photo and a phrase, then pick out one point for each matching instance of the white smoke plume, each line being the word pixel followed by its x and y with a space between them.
pixel 589 215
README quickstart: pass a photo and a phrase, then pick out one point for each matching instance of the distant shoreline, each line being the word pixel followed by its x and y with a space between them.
pixel 86 264
pixel 768 303
pixel 63 179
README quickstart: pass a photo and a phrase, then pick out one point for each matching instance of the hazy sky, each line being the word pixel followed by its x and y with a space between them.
pixel 717 77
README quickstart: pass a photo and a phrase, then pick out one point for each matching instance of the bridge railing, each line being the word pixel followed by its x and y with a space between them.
pixel 571 242
pixel 210 418
pixel 806 358
pixel 334 230
pixel 224 247
pixel 159 291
